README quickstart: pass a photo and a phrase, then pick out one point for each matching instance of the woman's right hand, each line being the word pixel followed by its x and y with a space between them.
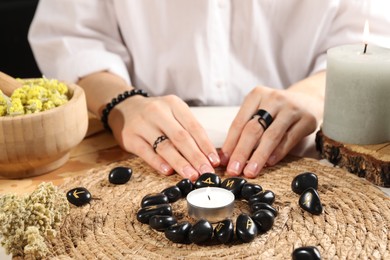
pixel 138 122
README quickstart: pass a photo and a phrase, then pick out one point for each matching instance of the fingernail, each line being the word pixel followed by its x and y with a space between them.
pixel 224 158
pixel 234 167
pixel 165 168
pixel 206 168
pixel 271 160
pixel 214 159
pixel 190 173
pixel 251 169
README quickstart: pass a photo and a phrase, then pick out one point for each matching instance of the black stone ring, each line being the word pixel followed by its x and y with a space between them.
pixel 159 140
pixel 265 118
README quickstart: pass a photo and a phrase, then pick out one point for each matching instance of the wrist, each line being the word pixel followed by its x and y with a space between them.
pixel 117 100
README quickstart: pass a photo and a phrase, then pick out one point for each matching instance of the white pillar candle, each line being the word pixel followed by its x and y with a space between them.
pixel 211 203
pixel 357 96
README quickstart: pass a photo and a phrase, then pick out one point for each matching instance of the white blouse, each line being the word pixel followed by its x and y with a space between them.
pixel 208 52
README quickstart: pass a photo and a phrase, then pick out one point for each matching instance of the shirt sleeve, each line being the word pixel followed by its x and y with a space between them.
pixel 348 25
pixel 71 39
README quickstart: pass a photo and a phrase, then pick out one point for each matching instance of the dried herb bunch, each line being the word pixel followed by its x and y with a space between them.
pixel 26 222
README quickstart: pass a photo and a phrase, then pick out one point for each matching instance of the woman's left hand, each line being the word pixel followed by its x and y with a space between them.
pixel 252 142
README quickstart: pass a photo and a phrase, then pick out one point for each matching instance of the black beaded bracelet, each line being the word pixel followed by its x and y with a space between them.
pixel 116 101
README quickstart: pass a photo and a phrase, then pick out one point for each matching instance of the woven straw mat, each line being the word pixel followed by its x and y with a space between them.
pixel 354 225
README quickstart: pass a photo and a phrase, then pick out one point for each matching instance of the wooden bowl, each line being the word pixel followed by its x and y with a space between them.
pixel 35 144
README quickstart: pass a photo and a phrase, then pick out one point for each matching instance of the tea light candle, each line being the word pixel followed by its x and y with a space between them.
pixel 211 203
pixel 357 106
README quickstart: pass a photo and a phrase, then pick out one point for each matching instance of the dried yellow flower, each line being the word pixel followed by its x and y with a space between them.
pixel 16 107
pixel 34 96
pixel 27 222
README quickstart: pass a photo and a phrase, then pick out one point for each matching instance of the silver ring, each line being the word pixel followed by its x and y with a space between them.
pixel 159 140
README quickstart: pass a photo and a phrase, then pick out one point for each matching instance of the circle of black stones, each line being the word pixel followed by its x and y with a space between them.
pixel 156 211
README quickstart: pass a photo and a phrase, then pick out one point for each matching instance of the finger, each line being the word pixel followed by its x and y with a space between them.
pixel 248 140
pixel 269 140
pixel 248 108
pixel 172 160
pixel 194 128
pixel 245 146
pixel 187 148
pixel 142 149
pixel 296 133
pixel 184 143
pixel 168 151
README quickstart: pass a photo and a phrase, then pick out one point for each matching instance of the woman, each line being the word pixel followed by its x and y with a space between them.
pixel 267 56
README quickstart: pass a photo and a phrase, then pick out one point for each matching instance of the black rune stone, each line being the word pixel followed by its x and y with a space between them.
pixel 303 181
pixel 249 189
pixel 266 196
pixel 201 232
pixel 261 205
pixel 161 222
pixel 224 231
pixel 178 233
pixel 208 180
pixel 234 184
pixel 264 219
pixel 246 229
pixel 185 186
pixel 79 196
pixel 173 193
pixel 154 199
pixel 144 214
pixel 306 253
pixel 310 201
pixel 120 175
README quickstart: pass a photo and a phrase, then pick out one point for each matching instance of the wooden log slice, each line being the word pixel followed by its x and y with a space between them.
pixel 368 161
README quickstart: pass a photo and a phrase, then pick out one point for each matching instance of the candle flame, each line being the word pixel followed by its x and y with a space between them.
pixel 366 32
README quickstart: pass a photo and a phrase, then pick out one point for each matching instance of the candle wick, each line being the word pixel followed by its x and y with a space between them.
pixel 208 197
pixel 365 48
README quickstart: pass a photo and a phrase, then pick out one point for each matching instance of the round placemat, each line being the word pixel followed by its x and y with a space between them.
pixel 354 224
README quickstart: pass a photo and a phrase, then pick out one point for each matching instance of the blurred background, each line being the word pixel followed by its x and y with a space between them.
pixel 16 58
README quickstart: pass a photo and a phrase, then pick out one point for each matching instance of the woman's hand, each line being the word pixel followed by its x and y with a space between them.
pixel 138 122
pixel 251 143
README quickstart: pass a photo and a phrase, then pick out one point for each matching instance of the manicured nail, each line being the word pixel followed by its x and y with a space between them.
pixel 190 173
pixel 214 159
pixel 165 168
pixel 224 158
pixel 234 167
pixel 206 168
pixel 271 160
pixel 251 169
